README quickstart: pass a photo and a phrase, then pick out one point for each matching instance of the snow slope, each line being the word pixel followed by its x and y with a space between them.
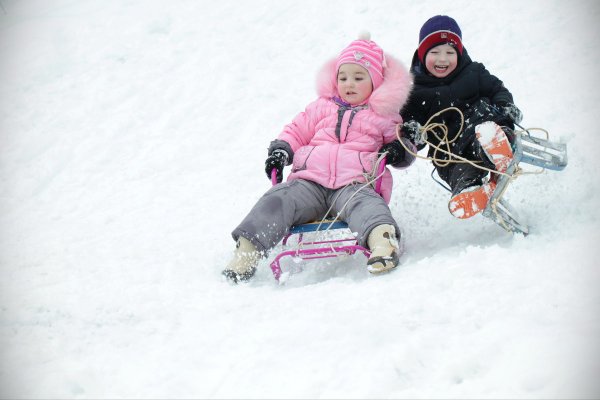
pixel 132 141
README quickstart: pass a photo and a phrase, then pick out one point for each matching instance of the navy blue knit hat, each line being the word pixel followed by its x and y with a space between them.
pixel 440 29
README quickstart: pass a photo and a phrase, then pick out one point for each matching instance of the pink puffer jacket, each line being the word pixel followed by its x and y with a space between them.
pixel 334 145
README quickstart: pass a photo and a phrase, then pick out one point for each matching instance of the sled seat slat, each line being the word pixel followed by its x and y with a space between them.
pixel 314 226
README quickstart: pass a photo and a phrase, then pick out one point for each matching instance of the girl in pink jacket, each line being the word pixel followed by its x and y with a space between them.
pixel 333 147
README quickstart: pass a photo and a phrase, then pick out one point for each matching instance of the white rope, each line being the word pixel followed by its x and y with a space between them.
pixel 453 158
pixel 370 180
pixel 430 127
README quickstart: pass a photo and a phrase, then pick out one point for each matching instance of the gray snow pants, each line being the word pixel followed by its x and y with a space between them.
pixel 300 201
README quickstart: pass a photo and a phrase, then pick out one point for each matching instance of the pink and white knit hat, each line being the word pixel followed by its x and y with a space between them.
pixel 367 54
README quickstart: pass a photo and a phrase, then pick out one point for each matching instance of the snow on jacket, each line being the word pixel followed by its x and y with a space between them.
pixel 335 145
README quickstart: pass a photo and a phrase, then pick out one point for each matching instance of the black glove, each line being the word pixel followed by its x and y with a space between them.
pixel 412 131
pixel 395 152
pixel 277 160
pixel 512 112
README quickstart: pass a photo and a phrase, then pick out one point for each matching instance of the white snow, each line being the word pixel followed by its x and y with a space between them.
pixel 132 141
pixel 487 132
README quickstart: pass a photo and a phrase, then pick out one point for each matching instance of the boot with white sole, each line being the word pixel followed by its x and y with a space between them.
pixel 495 144
pixel 385 250
pixel 497 149
pixel 243 265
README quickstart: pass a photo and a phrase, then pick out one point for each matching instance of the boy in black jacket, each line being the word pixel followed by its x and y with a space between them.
pixel 445 76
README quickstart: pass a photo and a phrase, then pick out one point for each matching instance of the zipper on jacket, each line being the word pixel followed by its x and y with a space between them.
pixel 341 114
pixel 338 127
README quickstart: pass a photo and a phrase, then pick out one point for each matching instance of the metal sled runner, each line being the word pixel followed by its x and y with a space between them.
pixel 344 245
pixel 530 150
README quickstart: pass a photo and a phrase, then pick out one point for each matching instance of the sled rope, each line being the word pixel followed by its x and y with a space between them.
pixel 371 179
pixel 440 131
pixel 434 127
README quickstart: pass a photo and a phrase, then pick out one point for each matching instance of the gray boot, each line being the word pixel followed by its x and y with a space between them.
pixel 243 265
pixel 385 251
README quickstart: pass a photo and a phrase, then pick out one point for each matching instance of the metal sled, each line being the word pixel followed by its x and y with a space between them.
pixel 344 244
pixel 529 150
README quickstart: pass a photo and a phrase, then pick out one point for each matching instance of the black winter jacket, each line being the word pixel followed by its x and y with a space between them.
pixel 470 88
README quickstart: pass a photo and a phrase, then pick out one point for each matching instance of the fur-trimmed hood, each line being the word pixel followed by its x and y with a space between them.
pixel 387 99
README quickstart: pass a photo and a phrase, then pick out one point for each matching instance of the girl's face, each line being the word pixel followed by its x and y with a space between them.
pixel 354 83
pixel 441 61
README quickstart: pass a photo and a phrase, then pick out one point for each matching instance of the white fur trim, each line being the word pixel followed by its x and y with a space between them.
pixel 387 99
pixel 393 93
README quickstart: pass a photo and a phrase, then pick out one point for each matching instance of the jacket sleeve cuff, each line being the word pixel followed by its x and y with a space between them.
pixel 279 144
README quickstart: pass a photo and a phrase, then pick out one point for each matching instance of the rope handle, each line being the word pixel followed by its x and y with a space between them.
pixel 433 128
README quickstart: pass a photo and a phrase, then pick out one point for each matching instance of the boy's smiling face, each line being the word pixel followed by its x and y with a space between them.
pixel 441 60
pixel 354 83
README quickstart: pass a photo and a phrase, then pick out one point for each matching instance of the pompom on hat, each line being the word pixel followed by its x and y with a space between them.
pixel 367 54
pixel 437 30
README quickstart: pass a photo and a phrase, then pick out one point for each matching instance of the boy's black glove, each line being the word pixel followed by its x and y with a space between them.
pixel 395 152
pixel 512 112
pixel 277 160
pixel 412 131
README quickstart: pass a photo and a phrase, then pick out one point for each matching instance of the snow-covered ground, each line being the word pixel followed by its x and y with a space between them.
pixel 132 141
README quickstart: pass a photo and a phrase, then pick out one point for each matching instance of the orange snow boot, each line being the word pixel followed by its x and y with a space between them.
pixel 495 144
pixel 471 201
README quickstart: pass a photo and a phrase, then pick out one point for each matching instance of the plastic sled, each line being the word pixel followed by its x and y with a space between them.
pixel 530 150
pixel 344 244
